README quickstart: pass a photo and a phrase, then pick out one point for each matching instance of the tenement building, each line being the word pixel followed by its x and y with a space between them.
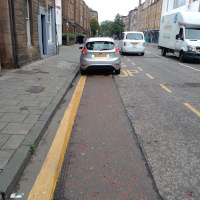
pixel 27 31
pixel 76 17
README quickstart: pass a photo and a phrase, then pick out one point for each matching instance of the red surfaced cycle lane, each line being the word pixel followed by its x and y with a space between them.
pixel 102 160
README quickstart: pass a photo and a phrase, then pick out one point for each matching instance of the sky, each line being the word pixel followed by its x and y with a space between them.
pixel 108 9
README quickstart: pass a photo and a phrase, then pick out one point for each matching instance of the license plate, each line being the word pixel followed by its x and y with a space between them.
pixel 100 55
pixel 134 44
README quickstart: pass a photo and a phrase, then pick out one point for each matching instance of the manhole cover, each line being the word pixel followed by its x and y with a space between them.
pixel 35 89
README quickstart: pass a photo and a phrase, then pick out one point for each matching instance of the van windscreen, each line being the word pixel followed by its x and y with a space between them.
pixel 192 33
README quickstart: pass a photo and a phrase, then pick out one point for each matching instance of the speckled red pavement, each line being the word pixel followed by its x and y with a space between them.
pixel 102 160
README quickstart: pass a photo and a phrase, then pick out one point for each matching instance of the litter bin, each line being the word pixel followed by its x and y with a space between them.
pixel 81 39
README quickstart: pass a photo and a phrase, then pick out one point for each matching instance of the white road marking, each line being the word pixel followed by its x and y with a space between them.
pixel 189 67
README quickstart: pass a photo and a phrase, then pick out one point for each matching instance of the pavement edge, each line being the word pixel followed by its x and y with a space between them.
pixel 16 165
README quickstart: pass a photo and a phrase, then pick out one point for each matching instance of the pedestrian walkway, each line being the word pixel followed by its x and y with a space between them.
pixel 29 97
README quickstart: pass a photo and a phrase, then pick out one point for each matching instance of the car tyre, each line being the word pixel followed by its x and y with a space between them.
pixel 181 57
pixel 83 72
pixel 142 54
pixel 117 71
pixel 163 52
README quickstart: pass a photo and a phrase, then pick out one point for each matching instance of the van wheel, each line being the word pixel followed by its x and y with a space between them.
pixel 117 71
pixel 181 57
pixel 163 52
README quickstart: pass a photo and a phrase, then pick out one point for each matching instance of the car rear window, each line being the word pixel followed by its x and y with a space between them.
pixel 100 45
pixel 134 36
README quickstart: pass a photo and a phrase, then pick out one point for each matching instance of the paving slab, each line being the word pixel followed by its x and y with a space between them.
pixel 29 97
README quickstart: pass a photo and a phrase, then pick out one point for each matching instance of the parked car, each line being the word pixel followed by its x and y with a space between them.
pixel 132 42
pixel 100 53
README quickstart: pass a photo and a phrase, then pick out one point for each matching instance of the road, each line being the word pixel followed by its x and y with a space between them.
pixel 161 98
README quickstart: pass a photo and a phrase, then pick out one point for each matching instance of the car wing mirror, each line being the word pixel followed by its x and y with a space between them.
pixel 80 47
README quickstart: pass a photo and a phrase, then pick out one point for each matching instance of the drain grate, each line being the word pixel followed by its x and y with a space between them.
pixel 35 89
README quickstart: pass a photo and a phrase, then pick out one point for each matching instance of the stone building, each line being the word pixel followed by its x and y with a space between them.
pixel 93 14
pixel 149 15
pixel 27 31
pixel 76 17
pixel 131 20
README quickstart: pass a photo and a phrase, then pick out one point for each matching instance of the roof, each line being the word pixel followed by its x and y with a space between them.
pixel 100 39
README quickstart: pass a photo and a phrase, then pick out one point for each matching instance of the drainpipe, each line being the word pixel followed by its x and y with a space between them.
pixel 10 3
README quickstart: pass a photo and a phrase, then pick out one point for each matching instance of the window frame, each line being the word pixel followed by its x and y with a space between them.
pixel 49 24
pixel 28 23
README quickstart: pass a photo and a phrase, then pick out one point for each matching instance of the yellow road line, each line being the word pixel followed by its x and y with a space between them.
pixel 167 89
pixel 46 181
pixel 192 109
pixel 140 69
pixel 150 76
pixel 133 63
pixel 128 59
pixel 124 56
pixel 124 65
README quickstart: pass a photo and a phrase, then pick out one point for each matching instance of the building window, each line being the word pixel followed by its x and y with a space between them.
pixel 179 3
pixel 49 24
pixel 27 15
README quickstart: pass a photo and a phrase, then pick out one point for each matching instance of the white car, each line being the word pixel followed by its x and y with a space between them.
pixel 132 42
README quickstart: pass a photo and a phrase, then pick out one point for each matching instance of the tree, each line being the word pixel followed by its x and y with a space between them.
pixel 106 28
pixel 94 24
pixel 118 26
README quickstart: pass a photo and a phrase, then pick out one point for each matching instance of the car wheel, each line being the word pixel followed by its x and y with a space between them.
pixel 83 72
pixel 181 57
pixel 142 54
pixel 163 52
pixel 117 71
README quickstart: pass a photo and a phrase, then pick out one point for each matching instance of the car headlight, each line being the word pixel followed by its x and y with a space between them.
pixel 191 48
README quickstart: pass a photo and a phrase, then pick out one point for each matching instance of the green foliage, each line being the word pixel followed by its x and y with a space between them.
pixel 84 33
pixel 71 36
pixel 94 24
pixel 33 147
pixel 118 26
pixel 106 28
pixel 64 36
pixel 110 28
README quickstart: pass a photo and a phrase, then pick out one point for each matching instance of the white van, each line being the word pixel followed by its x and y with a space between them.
pixel 132 42
pixel 180 35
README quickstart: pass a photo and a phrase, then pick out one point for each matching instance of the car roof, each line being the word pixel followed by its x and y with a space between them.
pixel 100 39
pixel 133 32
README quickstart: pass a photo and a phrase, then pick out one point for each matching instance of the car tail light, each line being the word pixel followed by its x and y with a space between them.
pixel 124 43
pixel 144 44
pixel 84 51
pixel 116 50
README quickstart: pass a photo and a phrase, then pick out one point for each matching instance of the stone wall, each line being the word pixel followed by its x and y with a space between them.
pixel 5 37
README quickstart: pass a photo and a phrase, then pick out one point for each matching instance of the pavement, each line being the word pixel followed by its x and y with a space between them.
pixel 29 97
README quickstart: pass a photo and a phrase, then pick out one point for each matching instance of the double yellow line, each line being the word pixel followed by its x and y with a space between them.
pixel 46 181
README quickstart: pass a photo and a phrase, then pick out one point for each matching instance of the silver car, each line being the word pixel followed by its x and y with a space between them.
pixel 100 53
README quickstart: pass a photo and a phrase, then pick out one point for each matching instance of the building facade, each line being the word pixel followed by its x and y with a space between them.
pixel 27 31
pixel 76 17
